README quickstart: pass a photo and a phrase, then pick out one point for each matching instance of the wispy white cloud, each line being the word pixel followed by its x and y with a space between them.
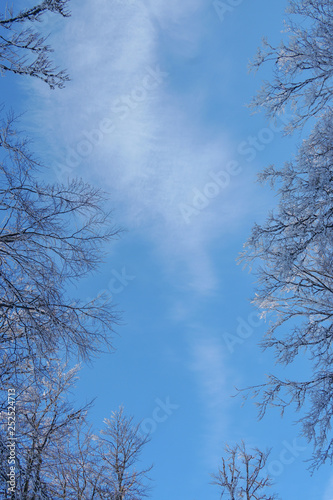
pixel 157 155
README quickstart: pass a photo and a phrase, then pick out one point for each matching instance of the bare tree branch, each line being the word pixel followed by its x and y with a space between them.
pixel 241 474
pixel 23 50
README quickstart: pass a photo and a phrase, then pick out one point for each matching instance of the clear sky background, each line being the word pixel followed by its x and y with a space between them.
pixel 156 114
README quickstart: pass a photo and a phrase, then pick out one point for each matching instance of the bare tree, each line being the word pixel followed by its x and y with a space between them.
pixel 295 284
pixel 23 50
pixel 121 444
pixel 45 421
pixel 79 471
pixel 241 474
pixel 51 235
pixel 292 252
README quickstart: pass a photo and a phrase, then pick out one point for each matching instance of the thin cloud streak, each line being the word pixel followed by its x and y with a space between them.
pixel 207 361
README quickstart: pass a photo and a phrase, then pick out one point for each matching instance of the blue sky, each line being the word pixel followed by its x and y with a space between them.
pixel 155 114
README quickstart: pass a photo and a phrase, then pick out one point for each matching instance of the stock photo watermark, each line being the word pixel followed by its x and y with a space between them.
pixel 224 8
pixel 120 110
pixel 220 180
pixel 119 281
pixel 201 198
pixel 161 413
pixel 287 456
pixel 11 441
pixel 257 143
pixel 116 285
pixel 244 330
